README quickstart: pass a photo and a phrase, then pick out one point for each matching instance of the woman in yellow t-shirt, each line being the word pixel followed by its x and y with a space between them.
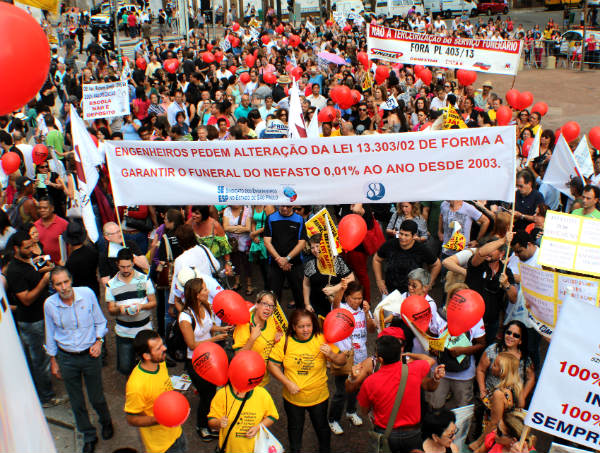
pixel 261 333
pixel 303 354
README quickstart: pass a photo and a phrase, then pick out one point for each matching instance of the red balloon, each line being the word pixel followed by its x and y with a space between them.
pixel 464 310
pixel 208 57
pixel 235 42
pixel 279 29
pixel 269 77
pixel 10 162
pixel 255 53
pixel 418 311
pixel 466 77
pixel 540 107
pixel 141 63
pixel 246 370
pixel 230 38
pixel 327 115
pixel 233 69
pixel 524 100
pixel 526 147
pixel 512 97
pixel 308 90
pixel 417 69
pixel 171 409
pixel 249 60
pixel 231 308
pixel 570 131
pixel 210 362
pixel 24 58
pixel 426 76
pixel 219 56
pixel 363 59
pixel 209 46
pixel 329 23
pixel 294 40
pixel 594 136
pixel 347 28
pixel 344 95
pixel 381 74
pixel 356 96
pixel 171 65
pixel 352 230
pixel 338 325
pixel 40 153
pixel 297 73
pixel 244 77
pixel 265 39
pixel 235 26
pixel 289 67
pixel 503 115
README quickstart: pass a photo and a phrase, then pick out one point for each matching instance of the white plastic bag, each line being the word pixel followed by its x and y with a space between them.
pixel 266 442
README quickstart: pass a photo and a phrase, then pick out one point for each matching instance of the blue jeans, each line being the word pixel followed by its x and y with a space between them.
pixel 179 446
pixel 126 359
pixel 32 338
pixel 73 368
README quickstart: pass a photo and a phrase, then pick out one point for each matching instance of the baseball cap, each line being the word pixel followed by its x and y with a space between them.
pixel 395 332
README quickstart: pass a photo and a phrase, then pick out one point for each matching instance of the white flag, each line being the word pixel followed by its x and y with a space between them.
pixel 313 126
pixel 297 127
pixel 390 104
pixel 310 27
pixel 562 167
pixel 583 158
pixel 86 153
pixel 534 151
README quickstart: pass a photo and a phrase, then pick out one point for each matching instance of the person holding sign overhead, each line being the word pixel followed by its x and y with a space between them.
pixel 303 354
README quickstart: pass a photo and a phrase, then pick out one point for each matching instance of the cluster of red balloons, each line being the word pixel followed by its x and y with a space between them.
pixel 466 77
pixel 352 230
pixel 171 409
pixel 519 100
pixel 343 96
pixel 423 73
pixel 347 28
pixel 279 29
pixel 465 308
pixel 233 40
pixel 329 23
pixel 269 77
pixel 338 325
pixel 24 59
pixel 327 114
pixel 418 311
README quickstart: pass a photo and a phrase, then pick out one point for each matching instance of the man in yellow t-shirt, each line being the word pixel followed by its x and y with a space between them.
pixel 147 381
pixel 259 409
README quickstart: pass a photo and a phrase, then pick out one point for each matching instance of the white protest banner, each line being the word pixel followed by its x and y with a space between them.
pixel 464 415
pixel 559 448
pixel 571 242
pixel 400 46
pixel 545 292
pixel 583 157
pixel 102 100
pixel 562 168
pixel 460 164
pixel 566 401
pixel 23 427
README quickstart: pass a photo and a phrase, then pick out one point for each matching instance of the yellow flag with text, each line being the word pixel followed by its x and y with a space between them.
pixel 48 5
pixel 453 118
pixel 322 223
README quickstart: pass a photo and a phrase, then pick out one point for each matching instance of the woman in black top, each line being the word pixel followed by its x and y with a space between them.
pixel 50 184
pixel 439 432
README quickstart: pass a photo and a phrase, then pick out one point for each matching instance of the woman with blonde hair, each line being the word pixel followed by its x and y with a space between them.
pixel 508 434
pixel 503 398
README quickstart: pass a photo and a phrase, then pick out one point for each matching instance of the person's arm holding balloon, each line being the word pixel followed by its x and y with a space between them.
pixel 338 358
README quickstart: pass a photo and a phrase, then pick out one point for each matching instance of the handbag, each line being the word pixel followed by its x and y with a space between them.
pixel 451 363
pixel 345 369
pixel 221 278
pixel 164 274
pixel 143 225
pixel 221 449
pixel 234 241
pixel 267 442
pixel 74 210
pixel 373 239
pixel 381 440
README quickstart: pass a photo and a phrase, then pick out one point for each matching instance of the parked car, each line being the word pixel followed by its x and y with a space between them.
pixel 490 7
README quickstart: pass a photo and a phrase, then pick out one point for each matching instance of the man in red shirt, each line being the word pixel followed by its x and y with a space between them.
pixel 50 227
pixel 132 24
pixel 378 391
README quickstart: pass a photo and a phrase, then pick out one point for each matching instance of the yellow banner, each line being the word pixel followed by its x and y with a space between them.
pixel 319 224
pixel 367 83
pixel 452 118
pixel 48 5
pixel 279 318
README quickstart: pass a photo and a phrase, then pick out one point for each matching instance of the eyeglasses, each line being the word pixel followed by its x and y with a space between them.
pixel 452 434
pixel 267 305
pixel 510 333
pixel 362 110
pixel 42 166
pixel 111 233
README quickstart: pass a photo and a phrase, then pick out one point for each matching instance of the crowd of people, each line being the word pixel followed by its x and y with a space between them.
pixel 157 268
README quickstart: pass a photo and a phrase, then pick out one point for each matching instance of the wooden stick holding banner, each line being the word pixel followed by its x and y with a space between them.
pixel 512 212
pixel 119 223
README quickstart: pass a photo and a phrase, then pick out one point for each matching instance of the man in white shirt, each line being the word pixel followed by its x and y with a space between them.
pixel 316 99
pixel 223 72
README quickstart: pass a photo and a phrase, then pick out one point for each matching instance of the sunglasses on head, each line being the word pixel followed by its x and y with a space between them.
pixel 513 334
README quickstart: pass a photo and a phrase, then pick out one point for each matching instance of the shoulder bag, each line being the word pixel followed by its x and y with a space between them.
pixel 233 240
pixel 165 273
pixel 381 440
pixel 222 448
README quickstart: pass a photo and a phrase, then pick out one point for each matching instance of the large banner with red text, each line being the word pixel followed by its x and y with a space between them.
pixel 483 55
pixel 438 165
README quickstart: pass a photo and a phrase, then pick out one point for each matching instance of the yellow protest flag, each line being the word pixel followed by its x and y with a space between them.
pixel 452 118
pixel 322 223
pixel 48 5
pixel 368 82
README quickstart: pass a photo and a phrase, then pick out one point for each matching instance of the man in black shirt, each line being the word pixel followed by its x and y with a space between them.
pixel 526 199
pixel 484 275
pixel 83 260
pixel 285 236
pixel 27 288
pixel 401 256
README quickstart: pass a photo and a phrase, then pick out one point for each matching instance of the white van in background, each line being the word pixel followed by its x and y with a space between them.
pixel 393 8
pixel 449 8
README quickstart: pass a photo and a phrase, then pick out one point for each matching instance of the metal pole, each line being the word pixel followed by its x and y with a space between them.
pixel 584 32
pixel 117 39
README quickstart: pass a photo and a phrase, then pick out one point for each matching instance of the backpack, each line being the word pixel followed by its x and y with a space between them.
pixel 14 215
pixel 176 346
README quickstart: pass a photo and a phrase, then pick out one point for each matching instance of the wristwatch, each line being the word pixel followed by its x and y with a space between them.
pixel 100 339
pixel 288 258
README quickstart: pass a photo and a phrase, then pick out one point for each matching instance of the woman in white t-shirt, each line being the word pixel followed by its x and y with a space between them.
pixel 350 297
pixel 196 322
